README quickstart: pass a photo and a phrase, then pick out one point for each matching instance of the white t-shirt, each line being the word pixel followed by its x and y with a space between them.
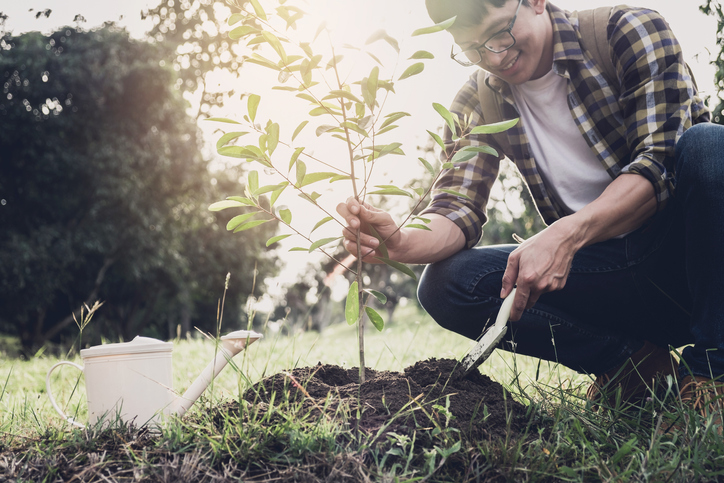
pixel 569 167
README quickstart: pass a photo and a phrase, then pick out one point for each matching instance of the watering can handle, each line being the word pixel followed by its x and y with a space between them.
pixel 50 393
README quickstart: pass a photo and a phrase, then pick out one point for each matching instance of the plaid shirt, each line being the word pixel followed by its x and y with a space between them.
pixel 632 126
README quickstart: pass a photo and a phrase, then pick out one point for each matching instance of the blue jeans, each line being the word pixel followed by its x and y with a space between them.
pixel 663 283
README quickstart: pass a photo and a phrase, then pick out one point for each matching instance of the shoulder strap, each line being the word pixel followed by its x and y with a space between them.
pixel 593 26
pixel 492 112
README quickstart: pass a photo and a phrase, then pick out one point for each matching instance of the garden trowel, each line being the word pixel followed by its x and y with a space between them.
pixel 490 339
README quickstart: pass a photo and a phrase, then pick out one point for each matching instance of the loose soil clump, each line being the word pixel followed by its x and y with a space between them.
pixel 428 394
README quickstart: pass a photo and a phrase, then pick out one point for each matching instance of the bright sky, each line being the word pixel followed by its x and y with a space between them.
pixel 354 21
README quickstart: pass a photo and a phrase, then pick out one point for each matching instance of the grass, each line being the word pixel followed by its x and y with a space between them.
pixel 227 438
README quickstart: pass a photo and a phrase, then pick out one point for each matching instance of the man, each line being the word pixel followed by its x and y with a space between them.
pixel 626 172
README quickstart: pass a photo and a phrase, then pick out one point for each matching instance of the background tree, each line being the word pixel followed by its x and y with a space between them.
pixel 714 8
pixel 193 33
pixel 103 194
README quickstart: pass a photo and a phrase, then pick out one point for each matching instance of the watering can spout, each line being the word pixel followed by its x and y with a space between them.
pixel 231 344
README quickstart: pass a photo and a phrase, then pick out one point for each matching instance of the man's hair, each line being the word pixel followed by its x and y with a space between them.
pixel 469 12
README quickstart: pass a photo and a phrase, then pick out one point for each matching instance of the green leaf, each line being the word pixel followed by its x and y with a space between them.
pixel 495 127
pixel 321 27
pixel 341 93
pixel 387 128
pixel 322 222
pixel 390 190
pixel 259 60
pixel 275 239
pixel 381 298
pixel 244 201
pixel 418 226
pixel 382 35
pixel 222 119
pixel 258 9
pixel 269 188
pixel 481 149
pixel 393 148
pixel 382 247
pixel 325 128
pixel 238 220
pixel 438 27
pixel 286 216
pixel 299 129
pixel 322 242
pixel 334 61
pixel 422 54
pixel 455 193
pixel 235 18
pixel 301 172
pixel 276 44
pixel 253 181
pixel 414 69
pixel 427 165
pixel 351 306
pixel 298 249
pixel 277 192
pixel 462 156
pixel 390 118
pixel 375 318
pixel 316 177
pixel 295 156
pixel 447 115
pixel 252 106
pixel 273 140
pixel 226 138
pixel 398 266
pixel 222 205
pixel 241 31
pixel 437 139
pixel 320 111
pixel 250 224
pixel 372 83
pixel 354 127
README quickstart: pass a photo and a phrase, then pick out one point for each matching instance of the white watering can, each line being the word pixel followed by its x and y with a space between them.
pixel 134 379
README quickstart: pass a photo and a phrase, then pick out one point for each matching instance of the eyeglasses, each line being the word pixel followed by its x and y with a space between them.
pixel 499 42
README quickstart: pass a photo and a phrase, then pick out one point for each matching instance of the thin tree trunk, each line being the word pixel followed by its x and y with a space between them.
pixel 40 338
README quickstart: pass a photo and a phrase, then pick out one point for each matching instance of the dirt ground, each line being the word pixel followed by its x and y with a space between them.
pixel 429 392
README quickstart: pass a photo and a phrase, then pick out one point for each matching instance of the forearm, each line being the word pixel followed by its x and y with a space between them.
pixel 428 246
pixel 623 207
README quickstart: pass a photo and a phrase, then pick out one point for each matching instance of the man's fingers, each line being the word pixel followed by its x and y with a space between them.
pixel 510 276
pixel 520 303
pixel 368 253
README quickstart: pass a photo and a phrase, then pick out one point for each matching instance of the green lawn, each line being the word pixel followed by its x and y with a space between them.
pixel 224 438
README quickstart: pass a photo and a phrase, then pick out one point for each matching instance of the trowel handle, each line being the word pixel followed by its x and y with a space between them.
pixel 50 392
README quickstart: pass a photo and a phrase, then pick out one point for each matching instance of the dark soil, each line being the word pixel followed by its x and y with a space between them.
pixel 428 394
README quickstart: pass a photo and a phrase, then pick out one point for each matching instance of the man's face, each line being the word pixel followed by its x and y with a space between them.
pixel 529 58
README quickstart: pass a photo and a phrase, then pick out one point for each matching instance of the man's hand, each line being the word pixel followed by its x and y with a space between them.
pixel 406 245
pixel 540 264
pixel 362 216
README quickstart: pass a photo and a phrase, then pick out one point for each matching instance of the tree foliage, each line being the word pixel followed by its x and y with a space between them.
pixel 193 33
pixel 714 8
pixel 103 194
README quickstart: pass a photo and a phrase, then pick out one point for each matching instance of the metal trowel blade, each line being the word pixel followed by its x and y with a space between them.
pixel 490 340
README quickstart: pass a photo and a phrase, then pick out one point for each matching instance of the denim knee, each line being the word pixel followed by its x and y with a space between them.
pixel 699 158
pixel 463 289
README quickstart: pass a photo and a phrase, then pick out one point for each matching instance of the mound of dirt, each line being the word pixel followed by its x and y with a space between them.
pixel 427 394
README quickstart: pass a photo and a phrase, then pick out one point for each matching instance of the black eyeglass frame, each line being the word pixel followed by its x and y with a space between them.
pixel 508 30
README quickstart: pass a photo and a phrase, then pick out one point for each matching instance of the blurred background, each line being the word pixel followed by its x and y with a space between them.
pixel 107 166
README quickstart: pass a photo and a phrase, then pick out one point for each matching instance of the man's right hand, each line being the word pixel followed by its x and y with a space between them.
pixel 407 245
pixel 362 216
